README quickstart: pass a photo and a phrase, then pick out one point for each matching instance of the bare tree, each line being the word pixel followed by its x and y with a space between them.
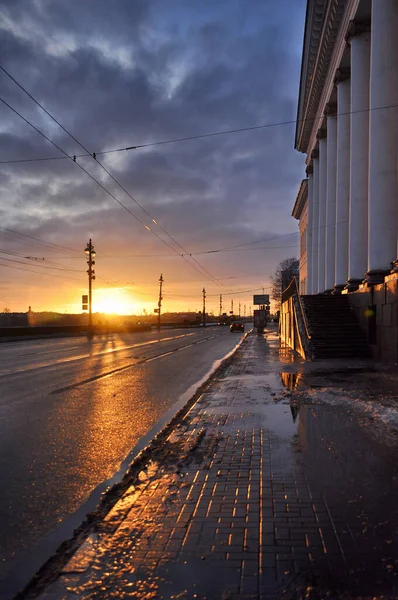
pixel 284 272
pixel 6 311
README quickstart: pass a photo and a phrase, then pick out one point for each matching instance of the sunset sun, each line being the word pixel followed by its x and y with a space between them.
pixel 114 302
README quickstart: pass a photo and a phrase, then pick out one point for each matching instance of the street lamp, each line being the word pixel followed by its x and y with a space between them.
pixel 90 252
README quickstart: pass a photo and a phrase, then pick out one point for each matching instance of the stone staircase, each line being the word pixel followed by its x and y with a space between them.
pixel 333 328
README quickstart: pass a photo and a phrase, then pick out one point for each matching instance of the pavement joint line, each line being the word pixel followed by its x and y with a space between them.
pixel 124 368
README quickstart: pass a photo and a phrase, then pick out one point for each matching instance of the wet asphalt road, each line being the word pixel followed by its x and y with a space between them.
pixel 71 411
pixel 262 491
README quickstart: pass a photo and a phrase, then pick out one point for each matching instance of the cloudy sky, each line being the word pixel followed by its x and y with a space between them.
pixel 134 72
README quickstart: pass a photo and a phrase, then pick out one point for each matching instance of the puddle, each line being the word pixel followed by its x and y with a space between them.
pixel 276 381
pixel 290 380
pixel 281 419
pixel 353 484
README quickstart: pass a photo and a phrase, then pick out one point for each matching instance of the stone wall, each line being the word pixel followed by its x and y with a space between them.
pixel 377 311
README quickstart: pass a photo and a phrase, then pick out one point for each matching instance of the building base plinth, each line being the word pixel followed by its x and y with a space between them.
pixel 376 308
pixel 395 266
pixel 338 289
pixel 375 277
pixel 352 285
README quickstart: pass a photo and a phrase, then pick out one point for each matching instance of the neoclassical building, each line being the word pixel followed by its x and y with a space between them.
pixel 347 126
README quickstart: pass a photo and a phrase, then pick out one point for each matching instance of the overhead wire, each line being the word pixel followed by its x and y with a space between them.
pixel 187 138
pixel 39 272
pixel 35 266
pixel 121 256
pixel 52 244
pixel 56 265
pixel 93 155
pixel 31 243
pixel 231 249
pixel 233 293
pixel 228 248
pixel 114 179
pixel 53 265
pixel 235 248
pixel 94 179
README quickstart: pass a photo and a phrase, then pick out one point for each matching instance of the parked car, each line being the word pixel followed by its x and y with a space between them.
pixel 237 327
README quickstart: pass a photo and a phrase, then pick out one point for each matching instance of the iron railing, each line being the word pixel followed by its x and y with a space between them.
pixel 291 290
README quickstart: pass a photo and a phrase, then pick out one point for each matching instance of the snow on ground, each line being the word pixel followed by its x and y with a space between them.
pixel 371 394
pixel 373 409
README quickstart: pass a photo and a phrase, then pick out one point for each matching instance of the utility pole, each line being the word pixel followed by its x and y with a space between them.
pixel 160 299
pixel 204 307
pixel 90 252
pixel 239 310
pixel 232 307
pixel 244 310
pixel 220 305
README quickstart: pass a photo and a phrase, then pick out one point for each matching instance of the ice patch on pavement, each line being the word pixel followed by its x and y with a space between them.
pixel 373 409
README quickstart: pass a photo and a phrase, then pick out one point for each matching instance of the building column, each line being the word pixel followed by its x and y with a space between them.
pixel 343 179
pixel 359 37
pixel 383 140
pixel 315 220
pixel 310 201
pixel 330 255
pixel 322 209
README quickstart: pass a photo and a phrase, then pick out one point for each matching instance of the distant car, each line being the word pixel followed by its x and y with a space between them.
pixel 237 327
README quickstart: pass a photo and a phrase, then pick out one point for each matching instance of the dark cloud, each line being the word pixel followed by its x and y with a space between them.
pixel 125 73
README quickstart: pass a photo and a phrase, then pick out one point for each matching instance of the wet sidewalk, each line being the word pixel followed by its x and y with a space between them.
pixel 257 493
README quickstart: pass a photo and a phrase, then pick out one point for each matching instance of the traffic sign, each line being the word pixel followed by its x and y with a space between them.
pixel 259 299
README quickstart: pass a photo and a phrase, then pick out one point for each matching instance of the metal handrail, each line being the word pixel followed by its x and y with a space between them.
pixel 287 292
pixel 293 288
pixel 303 313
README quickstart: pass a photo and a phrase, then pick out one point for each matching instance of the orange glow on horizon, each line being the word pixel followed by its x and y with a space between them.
pixel 114 301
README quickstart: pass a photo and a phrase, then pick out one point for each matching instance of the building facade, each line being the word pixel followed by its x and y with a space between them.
pixel 347 125
pixel 300 212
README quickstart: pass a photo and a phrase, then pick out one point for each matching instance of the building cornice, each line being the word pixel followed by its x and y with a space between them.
pixel 326 26
pixel 351 7
pixel 312 36
pixel 301 200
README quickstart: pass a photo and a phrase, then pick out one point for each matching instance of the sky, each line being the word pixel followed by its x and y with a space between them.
pixel 135 72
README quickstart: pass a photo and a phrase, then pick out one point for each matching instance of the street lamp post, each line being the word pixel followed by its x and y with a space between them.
pixel 160 299
pixel 90 252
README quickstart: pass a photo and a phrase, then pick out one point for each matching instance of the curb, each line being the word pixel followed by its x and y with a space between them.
pixel 51 569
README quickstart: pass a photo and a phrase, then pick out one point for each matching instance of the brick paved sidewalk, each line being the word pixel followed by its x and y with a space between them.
pixel 232 510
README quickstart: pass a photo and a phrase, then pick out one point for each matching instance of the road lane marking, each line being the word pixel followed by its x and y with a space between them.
pixel 17 356
pixel 163 355
pixel 125 367
pixel 83 356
